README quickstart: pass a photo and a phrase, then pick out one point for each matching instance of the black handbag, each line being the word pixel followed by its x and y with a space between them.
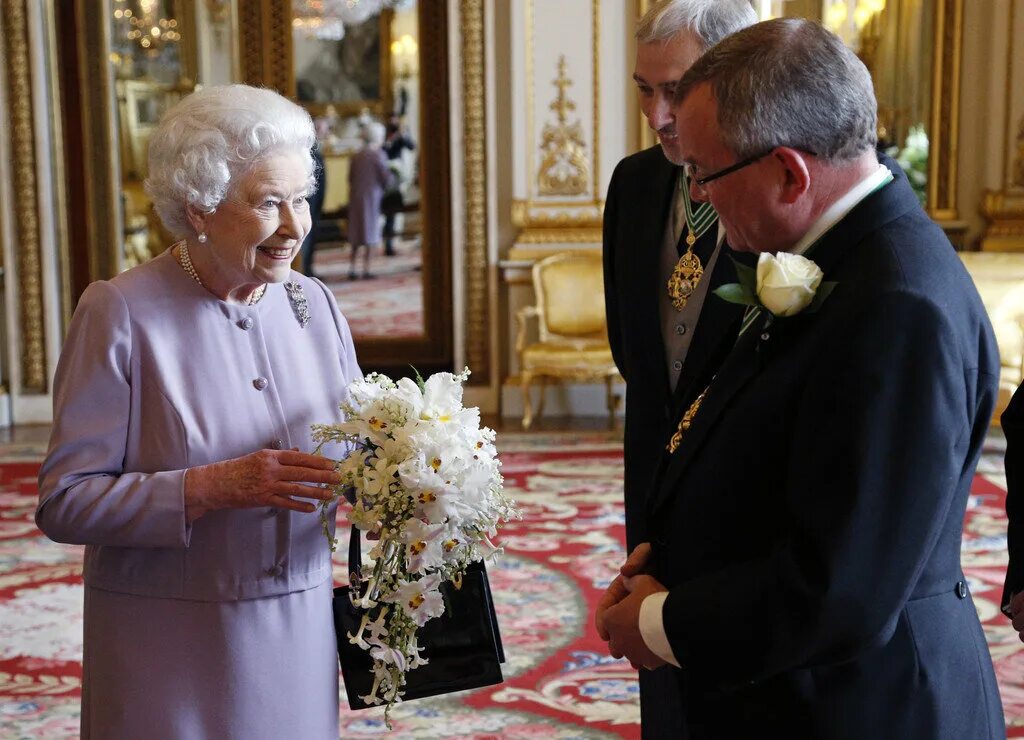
pixel 462 646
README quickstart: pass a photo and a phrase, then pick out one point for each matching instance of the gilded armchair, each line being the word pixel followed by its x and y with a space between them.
pixel 572 341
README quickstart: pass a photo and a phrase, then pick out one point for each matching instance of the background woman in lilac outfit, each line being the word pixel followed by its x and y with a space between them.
pixel 180 448
pixel 368 176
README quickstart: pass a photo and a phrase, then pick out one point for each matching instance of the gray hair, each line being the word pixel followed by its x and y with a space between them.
pixel 788 82
pixel 710 20
pixel 210 137
pixel 374 133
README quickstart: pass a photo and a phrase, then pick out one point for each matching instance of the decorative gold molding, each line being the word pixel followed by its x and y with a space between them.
pixel 530 214
pixel 645 136
pixel 99 130
pixel 560 235
pixel 944 127
pixel 478 355
pixel 563 166
pixel 266 44
pixel 26 204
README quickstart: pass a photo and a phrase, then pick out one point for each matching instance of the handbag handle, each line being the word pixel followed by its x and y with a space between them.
pixel 355 553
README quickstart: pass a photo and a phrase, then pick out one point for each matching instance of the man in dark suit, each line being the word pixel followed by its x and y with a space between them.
pixel 1012 422
pixel 657 342
pixel 804 575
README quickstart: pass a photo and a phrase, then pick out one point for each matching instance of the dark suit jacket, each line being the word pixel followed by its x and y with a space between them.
pixel 808 528
pixel 635 216
pixel 1012 421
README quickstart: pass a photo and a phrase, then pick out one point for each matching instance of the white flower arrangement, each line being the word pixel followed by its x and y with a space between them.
pixel 427 481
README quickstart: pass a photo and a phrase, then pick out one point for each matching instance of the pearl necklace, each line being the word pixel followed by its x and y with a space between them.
pixel 186 263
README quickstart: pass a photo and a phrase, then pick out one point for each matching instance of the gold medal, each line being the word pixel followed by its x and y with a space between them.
pixel 685 277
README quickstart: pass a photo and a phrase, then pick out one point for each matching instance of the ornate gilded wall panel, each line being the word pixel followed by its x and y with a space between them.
pixel 25 202
pixel 558 196
pixel 475 181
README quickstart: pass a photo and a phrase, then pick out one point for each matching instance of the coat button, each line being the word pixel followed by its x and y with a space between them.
pixel 275 571
pixel 677 365
pixel 765 337
pixel 680 329
pixel 277 444
pixel 961 590
pixel 246 323
pixel 259 384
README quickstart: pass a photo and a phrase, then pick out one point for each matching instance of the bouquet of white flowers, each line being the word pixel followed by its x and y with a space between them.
pixel 427 481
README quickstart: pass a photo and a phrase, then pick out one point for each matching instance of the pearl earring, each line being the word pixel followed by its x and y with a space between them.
pixel 202 237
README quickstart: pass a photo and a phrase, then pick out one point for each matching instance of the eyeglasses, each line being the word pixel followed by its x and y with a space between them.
pixel 692 172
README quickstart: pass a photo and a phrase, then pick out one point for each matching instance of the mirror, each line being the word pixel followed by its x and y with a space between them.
pixel 355 74
pixel 912 49
pixel 154 63
pixel 383 240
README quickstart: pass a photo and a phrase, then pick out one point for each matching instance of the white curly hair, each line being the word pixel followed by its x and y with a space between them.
pixel 210 137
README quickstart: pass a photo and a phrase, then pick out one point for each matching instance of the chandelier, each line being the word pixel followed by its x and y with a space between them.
pixel 326 19
pixel 145 23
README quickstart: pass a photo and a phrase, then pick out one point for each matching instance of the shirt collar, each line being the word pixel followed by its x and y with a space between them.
pixel 838 210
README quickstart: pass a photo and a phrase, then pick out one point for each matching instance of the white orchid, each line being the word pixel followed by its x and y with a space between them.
pixel 428 482
pixel 420 599
pixel 423 548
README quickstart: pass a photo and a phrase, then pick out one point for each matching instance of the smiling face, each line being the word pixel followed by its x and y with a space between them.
pixel 255 233
pixel 659 66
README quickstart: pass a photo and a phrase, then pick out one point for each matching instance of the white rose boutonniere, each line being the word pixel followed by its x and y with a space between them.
pixel 784 285
pixel 787 283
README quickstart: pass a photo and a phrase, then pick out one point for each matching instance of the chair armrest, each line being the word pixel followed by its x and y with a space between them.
pixel 522 316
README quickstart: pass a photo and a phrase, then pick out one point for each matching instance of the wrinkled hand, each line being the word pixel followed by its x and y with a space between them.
pixel 1017 614
pixel 265 478
pixel 622 623
pixel 616 591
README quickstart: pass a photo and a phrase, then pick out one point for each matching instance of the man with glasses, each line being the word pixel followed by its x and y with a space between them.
pixel 804 576
pixel 661 258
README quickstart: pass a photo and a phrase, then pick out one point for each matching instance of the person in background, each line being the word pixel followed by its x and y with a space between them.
pixel 316 206
pixel 180 454
pixel 397 140
pixel 368 178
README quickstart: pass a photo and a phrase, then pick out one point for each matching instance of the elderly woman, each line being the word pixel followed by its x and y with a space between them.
pixel 368 176
pixel 183 397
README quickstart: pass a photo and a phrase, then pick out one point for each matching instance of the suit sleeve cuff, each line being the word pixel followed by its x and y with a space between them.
pixel 652 628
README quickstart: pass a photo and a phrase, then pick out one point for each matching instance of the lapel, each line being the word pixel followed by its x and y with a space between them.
pixel 653 196
pixel 713 337
pixel 746 358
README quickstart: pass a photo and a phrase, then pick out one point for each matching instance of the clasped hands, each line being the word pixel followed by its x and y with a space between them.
pixel 618 612
pixel 273 478
pixel 1017 614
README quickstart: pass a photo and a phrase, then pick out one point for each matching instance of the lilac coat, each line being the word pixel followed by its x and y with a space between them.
pixel 157 375
pixel 368 176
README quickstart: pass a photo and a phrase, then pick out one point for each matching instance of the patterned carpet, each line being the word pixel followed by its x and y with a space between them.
pixel 390 304
pixel 559 682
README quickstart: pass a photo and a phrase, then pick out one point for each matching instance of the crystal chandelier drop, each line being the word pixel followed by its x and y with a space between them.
pixel 326 19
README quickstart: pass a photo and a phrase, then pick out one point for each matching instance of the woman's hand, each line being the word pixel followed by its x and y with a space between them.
pixel 265 478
